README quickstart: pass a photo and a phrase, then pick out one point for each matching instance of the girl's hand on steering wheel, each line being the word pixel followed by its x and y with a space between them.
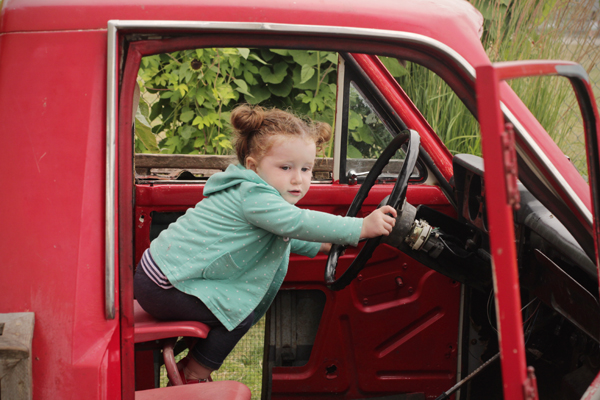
pixel 325 248
pixel 378 223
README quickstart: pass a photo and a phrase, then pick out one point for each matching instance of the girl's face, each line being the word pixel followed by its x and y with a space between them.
pixel 287 167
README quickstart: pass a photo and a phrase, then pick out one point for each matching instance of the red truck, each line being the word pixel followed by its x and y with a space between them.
pixel 484 263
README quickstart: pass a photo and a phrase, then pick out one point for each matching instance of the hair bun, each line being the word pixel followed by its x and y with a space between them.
pixel 247 119
pixel 321 133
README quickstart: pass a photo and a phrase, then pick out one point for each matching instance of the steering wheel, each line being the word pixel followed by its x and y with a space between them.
pixel 396 199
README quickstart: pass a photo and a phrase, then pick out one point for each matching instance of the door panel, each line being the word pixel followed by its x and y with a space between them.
pixel 393 330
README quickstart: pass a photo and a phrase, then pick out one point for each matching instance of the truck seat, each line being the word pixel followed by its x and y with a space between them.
pixel 221 390
pixel 147 328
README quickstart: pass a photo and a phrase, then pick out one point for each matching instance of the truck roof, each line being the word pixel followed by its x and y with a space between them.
pixel 453 22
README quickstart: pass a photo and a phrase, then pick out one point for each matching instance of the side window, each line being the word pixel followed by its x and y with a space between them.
pixel 367 138
pixel 187 97
pixel 441 107
pixel 368 125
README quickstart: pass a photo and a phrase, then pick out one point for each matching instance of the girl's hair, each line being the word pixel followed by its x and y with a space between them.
pixel 255 127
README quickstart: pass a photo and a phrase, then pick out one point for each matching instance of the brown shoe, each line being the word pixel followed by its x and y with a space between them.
pixel 180 367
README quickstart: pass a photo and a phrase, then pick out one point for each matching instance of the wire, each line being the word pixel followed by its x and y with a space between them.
pixel 530 327
pixel 450 250
pixel 488 309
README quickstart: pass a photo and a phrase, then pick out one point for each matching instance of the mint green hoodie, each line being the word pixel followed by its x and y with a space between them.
pixel 232 249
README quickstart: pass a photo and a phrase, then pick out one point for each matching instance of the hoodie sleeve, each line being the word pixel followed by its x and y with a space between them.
pixel 264 207
pixel 309 249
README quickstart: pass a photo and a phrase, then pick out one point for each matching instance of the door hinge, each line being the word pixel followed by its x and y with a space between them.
pixel 530 385
pixel 513 197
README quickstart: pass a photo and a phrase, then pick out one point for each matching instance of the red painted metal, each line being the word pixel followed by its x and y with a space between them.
pixel 454 23
pixel 518 382
pixel 502 237
pixel 550 149
pixel 407 111
pixel 53 186
pixel 513 197
pixel 52 244
pixel 125 195
pixel 222 390
pixel 148 328
pixel 374 324
pixel 378 341
pixel 516 69
pixel 592 392
pixel 173 195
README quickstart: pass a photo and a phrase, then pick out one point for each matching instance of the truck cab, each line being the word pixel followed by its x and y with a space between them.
pixel 494 257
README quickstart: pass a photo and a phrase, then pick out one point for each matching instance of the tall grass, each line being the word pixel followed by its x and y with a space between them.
pixel 521 30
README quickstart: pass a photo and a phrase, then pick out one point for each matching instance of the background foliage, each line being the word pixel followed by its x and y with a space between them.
pixel 187 96
pixel 518 30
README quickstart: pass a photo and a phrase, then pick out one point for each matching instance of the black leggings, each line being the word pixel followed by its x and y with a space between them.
pixel 174 305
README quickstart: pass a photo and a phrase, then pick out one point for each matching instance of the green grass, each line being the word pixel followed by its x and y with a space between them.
pixel 526 29
pixel 244 364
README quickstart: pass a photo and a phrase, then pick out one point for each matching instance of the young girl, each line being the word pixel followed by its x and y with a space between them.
pixel 223 262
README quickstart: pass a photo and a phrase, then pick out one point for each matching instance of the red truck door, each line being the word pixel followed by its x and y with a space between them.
pixel 498 147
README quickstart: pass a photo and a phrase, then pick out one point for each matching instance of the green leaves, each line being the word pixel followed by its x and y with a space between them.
pixel 274 75
pixel 393 65
pixel 188 95
pixel 306 73
pixel 259 94
pixel 145 135
pixel 242 87
pixel 186 116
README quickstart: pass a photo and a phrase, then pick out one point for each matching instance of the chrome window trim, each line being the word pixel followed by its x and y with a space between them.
pixel 551 168
pixel 111 149
pixel 339 115
pixel 362 33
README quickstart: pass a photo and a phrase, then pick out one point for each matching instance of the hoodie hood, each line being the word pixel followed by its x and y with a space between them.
pixel 234 175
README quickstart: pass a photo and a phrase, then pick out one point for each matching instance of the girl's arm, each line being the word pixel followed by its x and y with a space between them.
pixel 264 207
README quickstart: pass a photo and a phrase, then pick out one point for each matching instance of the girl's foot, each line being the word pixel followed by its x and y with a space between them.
pixel 187 375
pixel 194 372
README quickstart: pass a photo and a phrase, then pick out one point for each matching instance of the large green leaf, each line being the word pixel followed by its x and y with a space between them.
pixel 242 87
pixel 311 84
pixel 281 52
pixel 266 54
pixel 282 89
pixel 353 152
pixel 303 57
pixel 275 75
pixel 257 58
pixel 306 73
pixel 354 120
pixel 259 93
pixel 187 116
pixel 187 131
pixel 392 65
pixel 365 134
pixel 244 52
pixel 144 133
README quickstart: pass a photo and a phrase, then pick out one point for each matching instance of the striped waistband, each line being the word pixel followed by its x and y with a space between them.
pixel 153 271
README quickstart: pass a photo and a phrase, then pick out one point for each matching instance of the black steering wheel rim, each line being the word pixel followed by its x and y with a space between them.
pixel 396 199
